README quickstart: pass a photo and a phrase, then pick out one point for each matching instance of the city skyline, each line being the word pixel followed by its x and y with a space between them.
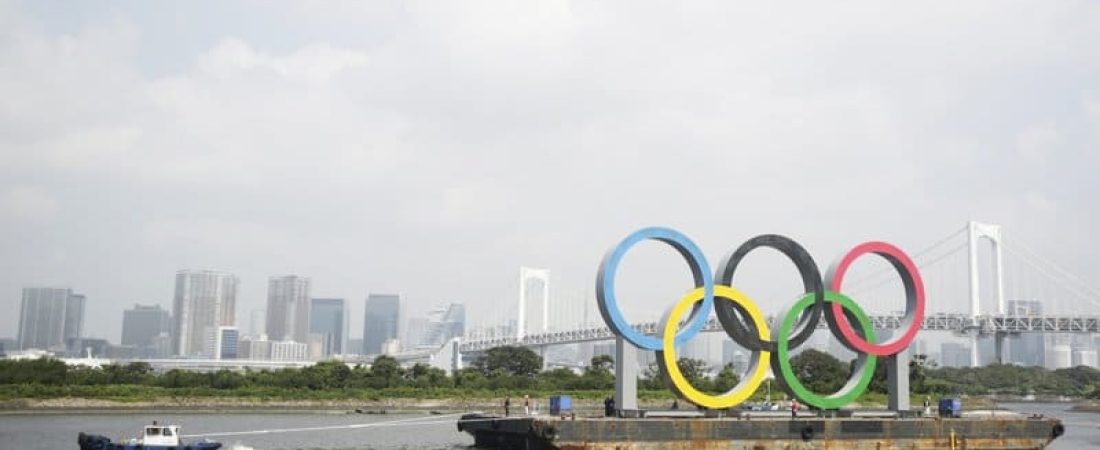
pixel 431 151
pixel 447 320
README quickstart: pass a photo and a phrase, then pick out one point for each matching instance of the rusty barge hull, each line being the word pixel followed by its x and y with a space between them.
pixel 760 433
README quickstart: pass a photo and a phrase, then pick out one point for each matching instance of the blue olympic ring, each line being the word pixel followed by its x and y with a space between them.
pixel 609 305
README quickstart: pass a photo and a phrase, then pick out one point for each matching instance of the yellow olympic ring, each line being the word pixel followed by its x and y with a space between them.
pixel 758 367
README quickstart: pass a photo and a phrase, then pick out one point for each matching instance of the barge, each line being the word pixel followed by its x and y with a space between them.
pixel 1015 432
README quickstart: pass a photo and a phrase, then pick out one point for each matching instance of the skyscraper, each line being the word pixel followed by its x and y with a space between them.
pixel 143 323
pixel 954 354
pixel 74 317
pixel 412 336
pixel 380 321
pixel 1025 349
pixel 204 301
pixel 49 316
pixel 257 325
pixel 288 308
pixel 328 319
pixel 444 323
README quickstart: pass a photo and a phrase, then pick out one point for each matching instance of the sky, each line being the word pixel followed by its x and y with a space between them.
pixel 431 149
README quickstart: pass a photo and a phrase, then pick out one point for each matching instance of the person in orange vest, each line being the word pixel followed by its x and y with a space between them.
pixel 794 408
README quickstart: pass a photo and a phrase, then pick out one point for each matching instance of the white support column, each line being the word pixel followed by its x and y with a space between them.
pixel 626 375
pixel 546 303
pixel 522 304
pixel 543 276
pixel 897 381
pixel 998 261
pixel 975 296
pixel 974 361
pixel 977 230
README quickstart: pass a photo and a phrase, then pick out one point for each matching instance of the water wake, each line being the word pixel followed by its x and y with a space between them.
pixel 414 421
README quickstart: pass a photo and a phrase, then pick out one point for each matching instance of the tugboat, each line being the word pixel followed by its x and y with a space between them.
pixel 153 437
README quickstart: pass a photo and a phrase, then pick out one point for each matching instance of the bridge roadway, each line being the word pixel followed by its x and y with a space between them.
pixel 958 323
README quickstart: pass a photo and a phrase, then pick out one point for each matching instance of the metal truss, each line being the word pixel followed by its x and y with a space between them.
pixel 957 323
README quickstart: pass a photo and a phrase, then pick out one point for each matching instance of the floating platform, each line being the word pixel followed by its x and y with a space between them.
pixel 761 433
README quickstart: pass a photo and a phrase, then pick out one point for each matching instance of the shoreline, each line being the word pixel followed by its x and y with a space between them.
pixel 253 405
pixel 1088 406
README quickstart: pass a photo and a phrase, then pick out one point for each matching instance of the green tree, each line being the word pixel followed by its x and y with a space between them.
pixel 225 379
pixel 513 360
pixel 328 374
pixel 469 378
pixel 819 371
pixel 41 371
pixel 424 376
pixel 385 372
pixel 598 374
pixel 604 363
pixel 559 378
pixel 726 379
pixel 695 370
pixel 652 379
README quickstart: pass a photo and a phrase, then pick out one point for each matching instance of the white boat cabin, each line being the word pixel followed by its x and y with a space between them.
pixel 167 435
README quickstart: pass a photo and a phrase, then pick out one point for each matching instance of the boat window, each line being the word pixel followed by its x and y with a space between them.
pixel 167 431
pixel 152 431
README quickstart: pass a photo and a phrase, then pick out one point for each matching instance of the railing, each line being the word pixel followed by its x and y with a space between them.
pixel 938 322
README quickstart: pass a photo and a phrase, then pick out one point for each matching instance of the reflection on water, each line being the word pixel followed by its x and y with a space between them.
pixel 350 431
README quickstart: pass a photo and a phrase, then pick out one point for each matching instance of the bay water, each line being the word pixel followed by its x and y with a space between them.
pixel 298 431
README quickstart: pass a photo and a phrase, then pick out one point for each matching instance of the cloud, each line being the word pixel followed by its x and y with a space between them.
pixel 26 203
pixel 315 63
pixel 357 142
pixel 1036 142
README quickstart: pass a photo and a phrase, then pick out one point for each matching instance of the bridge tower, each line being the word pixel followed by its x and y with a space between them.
pixel 528 275
pixel 977 231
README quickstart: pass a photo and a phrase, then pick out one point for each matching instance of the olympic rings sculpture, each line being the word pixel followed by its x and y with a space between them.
pixel 742 320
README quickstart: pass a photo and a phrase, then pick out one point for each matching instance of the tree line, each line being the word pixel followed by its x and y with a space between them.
pixel 520 369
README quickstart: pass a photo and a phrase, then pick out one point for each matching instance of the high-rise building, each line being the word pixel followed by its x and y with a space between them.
pixel 412 336
pixel 143 323
pixel 74 317
pixel 204 301
pixel 227 343
pixel 288 308
pixel 257 325
pixel 954 354
pixel 1025 349
pixel 444 323
pixel 328 319
pixel 355 346
pixel 50 317
pixel 7 345
pixel 1085 357
pixel 380 321
pixel 1060 357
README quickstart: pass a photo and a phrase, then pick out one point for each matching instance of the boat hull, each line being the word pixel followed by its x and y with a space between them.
pixel 96 442
pixel 760 433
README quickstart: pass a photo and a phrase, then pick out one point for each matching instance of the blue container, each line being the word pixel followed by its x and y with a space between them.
pixel 560 404
pixel 950 407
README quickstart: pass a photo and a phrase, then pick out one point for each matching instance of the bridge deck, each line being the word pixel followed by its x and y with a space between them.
pixel 987 324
